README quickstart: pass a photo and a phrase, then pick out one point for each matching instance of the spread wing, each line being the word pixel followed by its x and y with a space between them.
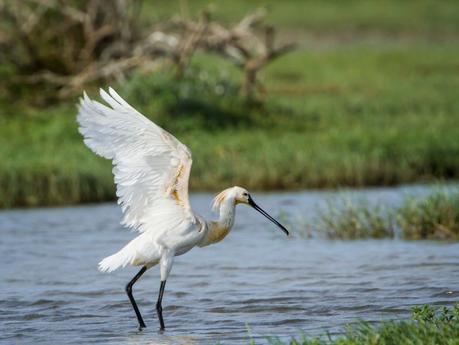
pixel 151 167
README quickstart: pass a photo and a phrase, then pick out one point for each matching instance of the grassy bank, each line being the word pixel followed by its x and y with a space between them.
pixel 388 16
pixel 357 113
pixel 335 118
pixel 428 326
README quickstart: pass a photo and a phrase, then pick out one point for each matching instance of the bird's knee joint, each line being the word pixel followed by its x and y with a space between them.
pixel 159 308
pixel 128 288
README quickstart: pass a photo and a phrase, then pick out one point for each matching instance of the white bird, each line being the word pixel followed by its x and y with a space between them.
pixel 151 169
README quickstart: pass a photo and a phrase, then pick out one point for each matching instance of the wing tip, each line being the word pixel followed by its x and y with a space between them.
pixel 112 92
pixel 103 93
pixel 84 98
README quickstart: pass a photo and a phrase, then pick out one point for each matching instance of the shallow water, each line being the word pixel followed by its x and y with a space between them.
pixel 257 281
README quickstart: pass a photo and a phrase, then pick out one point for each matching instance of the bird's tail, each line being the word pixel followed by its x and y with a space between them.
pixel 115 261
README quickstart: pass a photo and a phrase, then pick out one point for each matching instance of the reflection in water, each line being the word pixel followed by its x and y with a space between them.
pixel 255 280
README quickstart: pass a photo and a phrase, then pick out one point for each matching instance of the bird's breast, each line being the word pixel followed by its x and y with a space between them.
pixel 214 233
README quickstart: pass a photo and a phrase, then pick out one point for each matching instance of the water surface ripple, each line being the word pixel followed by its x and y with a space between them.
pixel 256 282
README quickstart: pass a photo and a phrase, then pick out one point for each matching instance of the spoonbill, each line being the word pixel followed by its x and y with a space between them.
pixel 151 169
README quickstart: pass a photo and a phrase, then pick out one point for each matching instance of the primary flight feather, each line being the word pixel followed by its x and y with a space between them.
pixel 151 169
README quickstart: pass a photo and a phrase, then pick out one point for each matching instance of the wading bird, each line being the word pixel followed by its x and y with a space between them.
pixel 151 170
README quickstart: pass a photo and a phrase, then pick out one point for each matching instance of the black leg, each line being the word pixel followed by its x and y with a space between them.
pixel 159 307
pixel 131 297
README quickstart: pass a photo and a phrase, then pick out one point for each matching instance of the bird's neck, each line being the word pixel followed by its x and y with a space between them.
pixel 217 230
pixel 227 214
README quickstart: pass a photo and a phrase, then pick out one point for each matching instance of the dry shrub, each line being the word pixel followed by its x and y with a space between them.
pixel 63 45
pixel 60 46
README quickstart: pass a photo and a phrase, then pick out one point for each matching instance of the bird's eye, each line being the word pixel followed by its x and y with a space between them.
pixel 245 194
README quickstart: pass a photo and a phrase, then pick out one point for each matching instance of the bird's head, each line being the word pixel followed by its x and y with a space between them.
pixel 242 196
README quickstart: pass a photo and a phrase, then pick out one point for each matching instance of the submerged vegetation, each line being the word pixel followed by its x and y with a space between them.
pixel 350 220
pixel 428 326
pixel 434 217
pixel 369 100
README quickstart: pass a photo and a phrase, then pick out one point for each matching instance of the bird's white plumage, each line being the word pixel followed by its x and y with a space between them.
pixel 151 170
pixel 150 166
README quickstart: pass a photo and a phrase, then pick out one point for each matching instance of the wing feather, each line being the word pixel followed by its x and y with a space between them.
pixel 151 167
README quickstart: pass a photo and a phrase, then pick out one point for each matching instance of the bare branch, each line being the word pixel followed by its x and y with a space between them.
pixel 89 40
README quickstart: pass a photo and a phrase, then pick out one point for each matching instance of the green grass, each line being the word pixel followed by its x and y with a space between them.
pixel 346 117
pixel 390 16
pixel 355 114
pixel 433 217
pixel 350 220
pixel 44 163
pixel 429 326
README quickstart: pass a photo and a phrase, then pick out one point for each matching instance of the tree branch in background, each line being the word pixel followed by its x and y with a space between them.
pixel 253 64
pixel 239 43
pixel 66 45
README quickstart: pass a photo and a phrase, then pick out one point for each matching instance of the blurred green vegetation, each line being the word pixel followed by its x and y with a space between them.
pixel 435 217
pixel 431 217
pixel 387 17
pixel 344 110
pixel 429 325
pixel 346 219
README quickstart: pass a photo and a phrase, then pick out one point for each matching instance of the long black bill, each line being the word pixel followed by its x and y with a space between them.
pixel 264 213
